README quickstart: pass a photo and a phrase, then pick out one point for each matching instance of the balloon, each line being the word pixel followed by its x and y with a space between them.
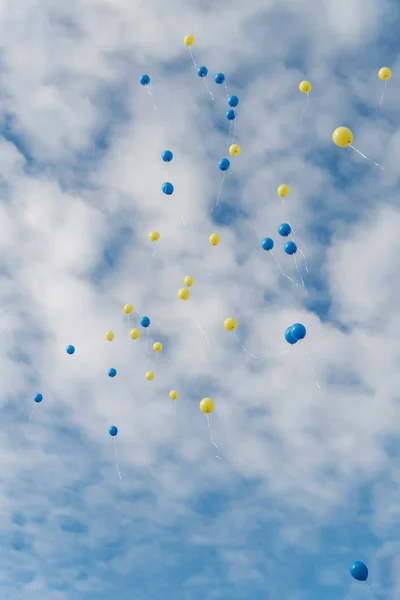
pixel 284 229
pixel 70 349
pixel 113 431
pixel 298 331
pixel 384 73
pixel 188 40
pixel 359 571
pixel 128 309
pixel 290 248
pixel 154 236
pixel 230 324
pixel 167 188
pixel 112 372
pixel 342 137
pixel 202 71
pixel 305 87
pixel 145 321
pixel 189 281
pixel 110 336
pixel 135 334
pixel 219 78
pixel 38 398
pixel 283 190
pixel 289 337
pixel 173 395
pixel 149 375
pixel 145 79
pixel 167 156
pixel 224 164
pixel 157 347
pixel 184 294
pixel 207 406
pixel 214 239
pixel 234 150
pixel 231 115
pixel 267 243
pixel 233 101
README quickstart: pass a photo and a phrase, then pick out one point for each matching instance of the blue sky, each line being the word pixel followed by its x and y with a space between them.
pixel 309 479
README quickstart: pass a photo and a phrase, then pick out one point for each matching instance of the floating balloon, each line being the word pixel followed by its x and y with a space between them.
pixel 167 156
pixel 224 164
pixel 70 349
pixel 305 88
pixel 112 372
pixel 189 40
pixel 234 149
pixel 110 336
pixel 128 309
pixel 298 331
pixel 38 398
pixel 173 395
pixel 284 229
pixel 207 406
pixel 149 375
pixel 231 115
pixel 289 337
pixel 233 101
pixel 230 324
pixel 290 248
pixel 167 188
pixel 203 72
pixel 135 334
pixel 145 321
pixel 113 431
pixel 214 239
pixel 359 571
pixel 283 190
pixel 343 137
pixel 157 347
pixel 154 236
pixel 267 244
pixel 189 281
pixel 384 74
pixel 184 294
pixel 219 78
pixel 145 79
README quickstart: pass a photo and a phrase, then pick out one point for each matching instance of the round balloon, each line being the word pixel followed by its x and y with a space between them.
pixel 305 87
pixel 157 346
pixel 38 398
pixel 149 375
pixel 184 294
pixel 219 78
pixel 145 79
pixel 167 188
pixel 214 239
pixel 154 236
pixel 283 190
pixel 189 281
pixel 202 71
pixel 233 101
pixel 342 137
pixel 173 395
pixel 289 337
pixel 70 349
pixel 231 115
pixel 234 149
pixel 207 406
pixel 128 309
pixel 267 243
pixel 110 336
pixel 167 156
pixel 384 73
pixel 135 334
pixel 298 331
pixel 112 372
pixel 359 571
pixel 290 248
pixel 230 324
pixel 189 40
pixel 224 164
pixel 284 229
pixel 113 431
pixel 145 321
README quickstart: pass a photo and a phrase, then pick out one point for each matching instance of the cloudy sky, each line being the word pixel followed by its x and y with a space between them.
pixel 309 478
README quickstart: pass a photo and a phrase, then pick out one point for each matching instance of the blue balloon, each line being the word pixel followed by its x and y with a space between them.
pixel 38 398
pixel 112 372
pixel 219 78
pixel 359 571
pixel 289 337
pixel 224 164
pixel 145 79
pixel 113 431
pixel 202 71
pixel 231 115
pixel 70 349
pixel 267 244
pixel 145 321
pixel 298 331
pixel 284 229
pixel 290 248
pixel 167 188
pixel 167 156
pixel 233 101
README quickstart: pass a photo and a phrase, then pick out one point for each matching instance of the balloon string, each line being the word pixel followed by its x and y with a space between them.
pixel 192 57
pixel 311 367
pixel 174 414
pixel 298 271
pixel 208 89
pixel 382 97
pixel 116 458
pixel 282 271
pixel 304 258
pixel 246 351
pixel 305 108
pixel 226 90
pixel 211 436
pixel 154 104
pixel 200 328
pixel 366 157
pixel 219 191
pixel 30 420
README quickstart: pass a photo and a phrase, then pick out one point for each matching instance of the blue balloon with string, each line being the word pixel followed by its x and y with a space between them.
pixel 267 243
pixel 145 79
pixel 167 188
pixel 290 248
pixel 219 78
pixel 284 229
pixel 38 398
pixel 167 156
pixel 298 331
pixel 113 431
pixel 359 571
pixel 233 101
pixel 202 71
pixel 145 321
pixel 231 115
pixel 224 164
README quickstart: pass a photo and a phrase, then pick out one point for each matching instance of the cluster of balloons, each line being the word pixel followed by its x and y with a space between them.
pixel 295 333
pixel 184 293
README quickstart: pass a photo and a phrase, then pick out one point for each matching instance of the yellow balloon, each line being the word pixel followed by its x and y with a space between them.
pixel 128 309
pixel 110 336
pixel 154 236
pixel 305 87
pixel 342 137
pixel 230 324
pixel 385 73
pixel 149 375
pixel 157 347
pixel 189 281
pixel 234 150
pixel 207 406
pixel 173 394
pixel 214 239
pixel 189 40
pixel 283 190
pixel 184 294
pixel 135 334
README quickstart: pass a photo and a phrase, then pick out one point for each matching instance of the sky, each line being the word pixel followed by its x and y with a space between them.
pixel 309 477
